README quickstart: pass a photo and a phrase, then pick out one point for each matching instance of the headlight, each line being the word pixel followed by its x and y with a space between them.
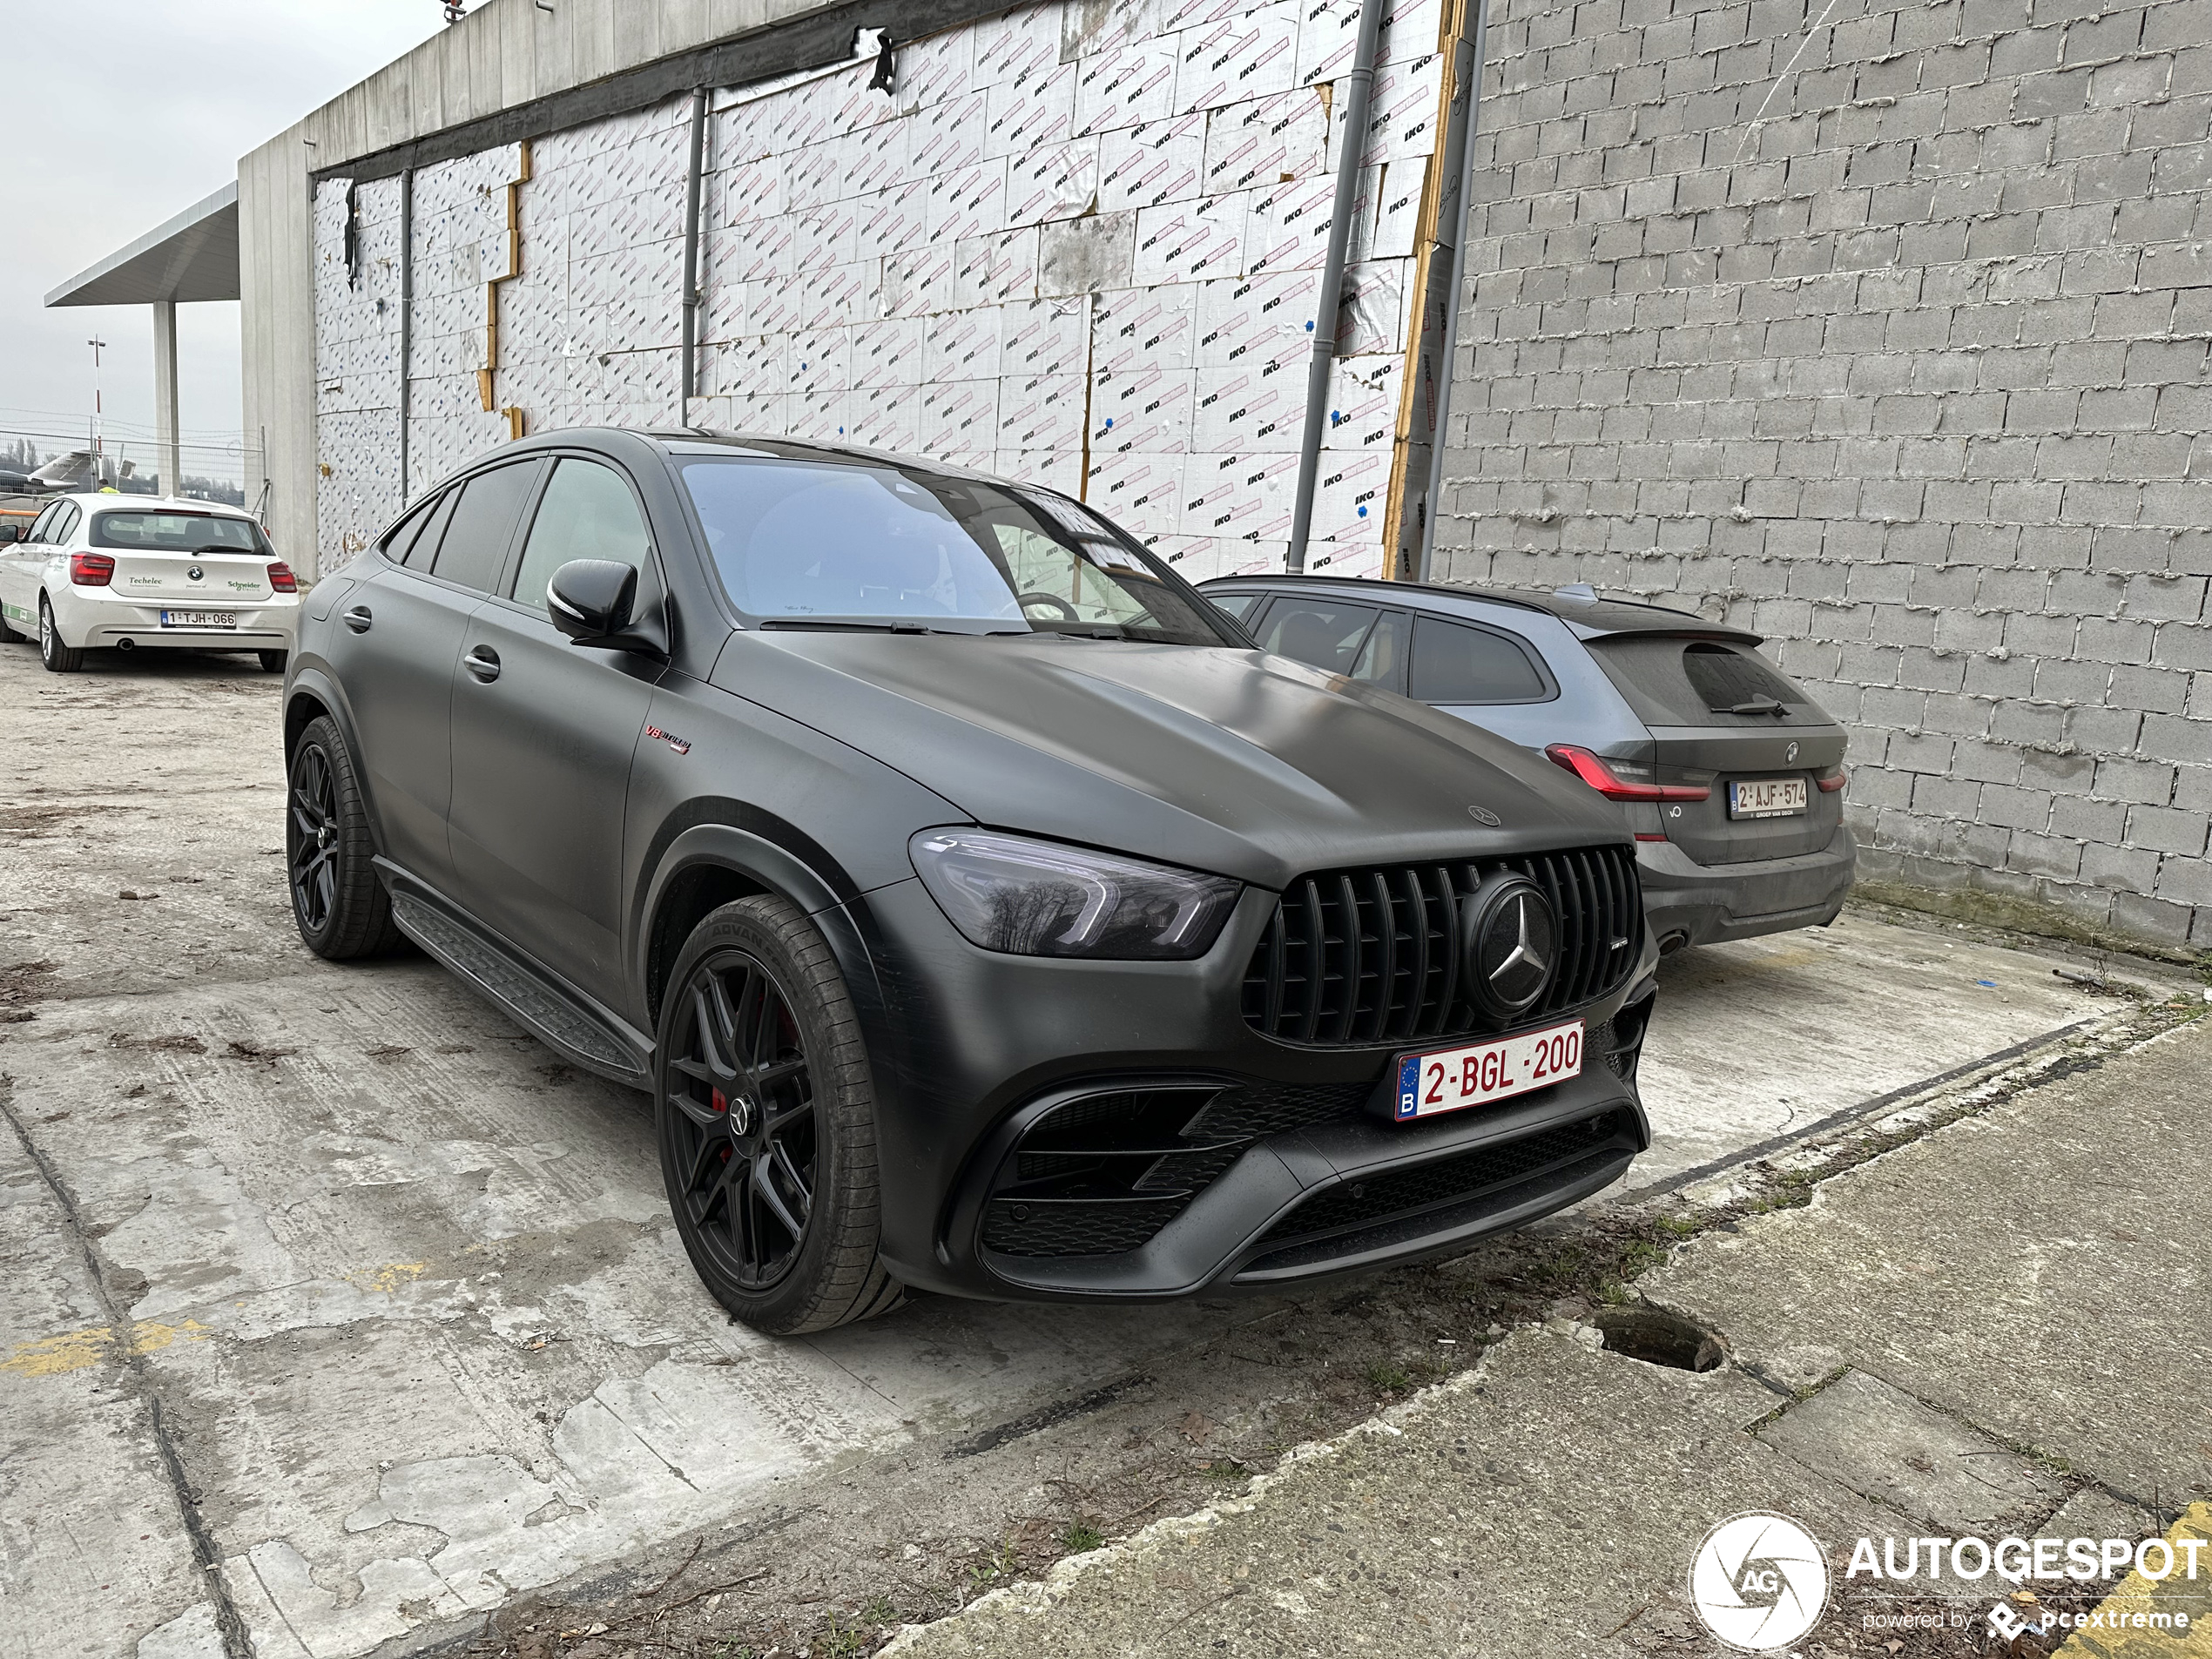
pixel 1041 899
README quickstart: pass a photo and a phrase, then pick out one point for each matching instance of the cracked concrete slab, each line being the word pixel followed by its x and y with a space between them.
pixel 1886 1444
pixel 440 1348
pixel 2038 1269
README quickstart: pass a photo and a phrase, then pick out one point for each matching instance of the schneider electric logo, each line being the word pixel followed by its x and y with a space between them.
pixel 1759 1581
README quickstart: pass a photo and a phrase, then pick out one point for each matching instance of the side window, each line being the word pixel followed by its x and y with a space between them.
pixel 474 548
pixel 43 522
pixel 1238 605
pixel 64 526
pixel 1452 664
pixel 395 547
pixel 1382 659
pixel 1328 633
pixel 587 512
pixel 424 551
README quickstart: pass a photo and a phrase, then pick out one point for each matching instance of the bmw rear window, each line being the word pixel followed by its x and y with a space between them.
pixel 1669 680
pixel 179 533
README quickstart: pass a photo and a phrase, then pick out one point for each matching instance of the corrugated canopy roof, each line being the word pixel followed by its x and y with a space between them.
pixel 194 256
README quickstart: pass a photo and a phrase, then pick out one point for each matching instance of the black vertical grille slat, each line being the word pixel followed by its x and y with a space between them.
pixel 1330 968
pixel 1448 915
pixel 1348 1015
pixel 1417 920
pixel 1317 962
pixel 1386 975
pixel 1568 984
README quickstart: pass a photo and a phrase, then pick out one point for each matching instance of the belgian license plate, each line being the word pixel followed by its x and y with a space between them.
pixel 1448 1079
pixel 1766 798
pixel 200 619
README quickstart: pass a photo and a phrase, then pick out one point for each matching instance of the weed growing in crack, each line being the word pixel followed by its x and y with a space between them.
pixel 1388 1377
pixel 1081 1538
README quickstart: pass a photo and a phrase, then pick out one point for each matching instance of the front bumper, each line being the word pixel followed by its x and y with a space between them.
pixel 972 1051
pixel 1689 903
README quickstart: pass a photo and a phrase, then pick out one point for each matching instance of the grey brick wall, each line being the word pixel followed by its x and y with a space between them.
pixel 1881 329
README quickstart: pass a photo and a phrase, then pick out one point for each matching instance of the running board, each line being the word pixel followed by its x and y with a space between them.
pixel 550 1013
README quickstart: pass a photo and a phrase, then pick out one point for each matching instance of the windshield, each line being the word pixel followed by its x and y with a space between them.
pixel 179 533
pixel 827 544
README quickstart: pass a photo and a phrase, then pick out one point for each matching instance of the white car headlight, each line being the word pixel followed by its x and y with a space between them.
pixel 1044 898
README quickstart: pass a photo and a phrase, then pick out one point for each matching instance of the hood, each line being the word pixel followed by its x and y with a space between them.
pixel 1235 761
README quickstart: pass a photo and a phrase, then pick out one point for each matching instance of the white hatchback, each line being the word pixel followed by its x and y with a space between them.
pixel 127 571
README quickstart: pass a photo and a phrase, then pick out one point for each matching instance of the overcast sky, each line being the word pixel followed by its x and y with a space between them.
pixel 116 117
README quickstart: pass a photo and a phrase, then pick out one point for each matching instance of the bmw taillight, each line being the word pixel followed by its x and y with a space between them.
pixel 1830 780
pixel 1599 775
pixel 91 569
pixel 281 580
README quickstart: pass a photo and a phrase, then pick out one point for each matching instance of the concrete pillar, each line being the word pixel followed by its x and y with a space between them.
pixel 167 458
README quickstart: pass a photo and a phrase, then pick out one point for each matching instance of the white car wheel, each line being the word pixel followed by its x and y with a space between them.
pixel 58 658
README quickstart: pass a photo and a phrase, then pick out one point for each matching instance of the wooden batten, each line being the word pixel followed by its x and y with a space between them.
pixel 1424 244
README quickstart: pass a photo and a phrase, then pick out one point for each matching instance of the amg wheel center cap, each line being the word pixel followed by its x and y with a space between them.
pixel 326 837
pixel 740 1115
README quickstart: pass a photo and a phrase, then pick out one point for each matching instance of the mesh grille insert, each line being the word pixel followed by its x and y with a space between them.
pixel 1355 1204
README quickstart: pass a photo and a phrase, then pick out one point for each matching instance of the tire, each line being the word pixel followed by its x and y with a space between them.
pixel 340 906
pixel 774 1189
pixel 58 658
pixel 273 662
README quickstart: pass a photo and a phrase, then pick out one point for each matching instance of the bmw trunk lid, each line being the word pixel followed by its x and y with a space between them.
pixel 207 579
pixel 1722 717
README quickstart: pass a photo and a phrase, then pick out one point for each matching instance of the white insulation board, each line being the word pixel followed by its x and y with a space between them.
pixel 1078 245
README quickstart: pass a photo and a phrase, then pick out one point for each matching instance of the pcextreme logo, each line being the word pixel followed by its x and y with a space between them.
pixel 1759 1581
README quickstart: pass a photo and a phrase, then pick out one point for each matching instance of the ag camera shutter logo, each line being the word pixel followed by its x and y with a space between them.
pixel 1759 1581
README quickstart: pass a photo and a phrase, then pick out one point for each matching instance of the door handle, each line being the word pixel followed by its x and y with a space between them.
pixel 483 662
pixel 357 618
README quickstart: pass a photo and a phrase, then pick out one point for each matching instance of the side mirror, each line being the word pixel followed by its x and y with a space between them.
pixel 592 602
pixel 10 531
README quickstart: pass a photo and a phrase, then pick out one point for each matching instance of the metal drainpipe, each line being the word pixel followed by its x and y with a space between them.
pixel 1354 86
pixel 1450 349
pixel 407 318
pixel 692 255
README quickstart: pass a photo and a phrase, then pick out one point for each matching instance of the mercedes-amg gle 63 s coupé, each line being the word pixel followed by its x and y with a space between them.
pixel 983 911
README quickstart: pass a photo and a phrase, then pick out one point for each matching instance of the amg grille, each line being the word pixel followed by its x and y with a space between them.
pixel 1358 957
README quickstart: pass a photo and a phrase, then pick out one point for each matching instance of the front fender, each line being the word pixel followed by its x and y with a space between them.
pixel 310 680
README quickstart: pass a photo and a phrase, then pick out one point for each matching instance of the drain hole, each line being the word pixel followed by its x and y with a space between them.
pixel 1659 1337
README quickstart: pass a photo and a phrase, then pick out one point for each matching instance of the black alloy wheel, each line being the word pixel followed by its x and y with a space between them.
pixel 743 1102
pixel 767 1123
pixel 340 907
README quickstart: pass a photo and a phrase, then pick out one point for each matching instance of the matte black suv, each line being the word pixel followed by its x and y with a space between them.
pixel 1729 775
pixel 984 912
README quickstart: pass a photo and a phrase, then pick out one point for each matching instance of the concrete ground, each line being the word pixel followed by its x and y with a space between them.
pixel 338 1314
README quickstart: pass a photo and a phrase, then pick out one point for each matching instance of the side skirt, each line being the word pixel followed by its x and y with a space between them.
pixel 562 1018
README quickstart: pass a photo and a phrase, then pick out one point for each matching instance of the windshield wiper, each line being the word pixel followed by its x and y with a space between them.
pixel 1756 705
pixel 860 626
